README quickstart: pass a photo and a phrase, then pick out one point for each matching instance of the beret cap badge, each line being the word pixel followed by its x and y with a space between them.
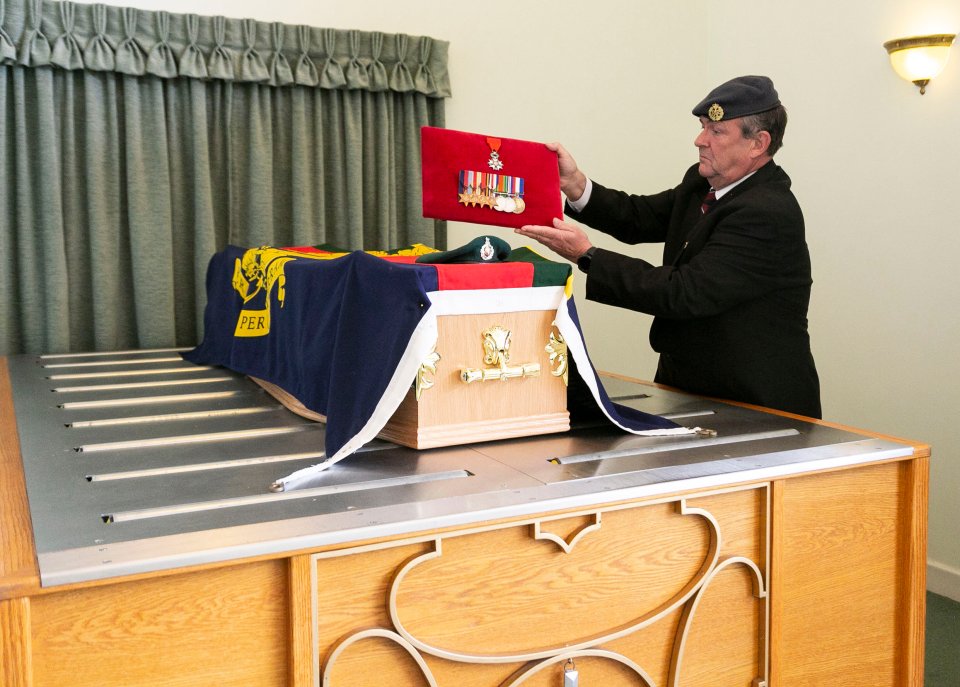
pixel 483 249
pixel 715 113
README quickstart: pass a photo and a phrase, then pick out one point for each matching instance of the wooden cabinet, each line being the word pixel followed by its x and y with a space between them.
pixel 811 578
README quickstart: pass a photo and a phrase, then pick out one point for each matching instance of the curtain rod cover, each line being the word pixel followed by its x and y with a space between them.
pixel 67 35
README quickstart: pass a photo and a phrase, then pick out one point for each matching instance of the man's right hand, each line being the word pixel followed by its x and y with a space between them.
pixel 572 180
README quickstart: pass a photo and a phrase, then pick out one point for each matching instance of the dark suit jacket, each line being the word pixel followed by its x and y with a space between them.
pixel 730 300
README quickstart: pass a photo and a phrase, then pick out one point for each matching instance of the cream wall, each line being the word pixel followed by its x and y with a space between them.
pixel 874 165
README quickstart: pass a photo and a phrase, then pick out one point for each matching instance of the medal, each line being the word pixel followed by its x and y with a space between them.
pixel 494 163
pixel 499 192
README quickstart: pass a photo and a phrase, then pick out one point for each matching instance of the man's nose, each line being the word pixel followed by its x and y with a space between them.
pixel 701 140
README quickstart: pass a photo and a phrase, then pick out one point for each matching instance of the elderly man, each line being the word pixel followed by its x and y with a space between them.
pixel 730 299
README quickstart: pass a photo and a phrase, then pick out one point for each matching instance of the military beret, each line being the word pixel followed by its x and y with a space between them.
pixel 739 97
pixel 481 249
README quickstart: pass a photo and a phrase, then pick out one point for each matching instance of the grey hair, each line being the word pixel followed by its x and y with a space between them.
pixel 772 121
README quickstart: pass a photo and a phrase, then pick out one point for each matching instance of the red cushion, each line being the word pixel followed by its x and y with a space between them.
pixel 466 177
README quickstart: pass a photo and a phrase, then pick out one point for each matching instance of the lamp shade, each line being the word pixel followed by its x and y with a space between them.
pixel 919 58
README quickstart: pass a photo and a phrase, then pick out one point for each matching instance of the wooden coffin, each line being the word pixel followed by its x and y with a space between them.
pixel 468 393
pixel 474 395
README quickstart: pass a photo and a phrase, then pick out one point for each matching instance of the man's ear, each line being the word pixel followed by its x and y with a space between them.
pixel 761 143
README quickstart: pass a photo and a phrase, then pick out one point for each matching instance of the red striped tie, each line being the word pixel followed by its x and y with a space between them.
pixel 708 202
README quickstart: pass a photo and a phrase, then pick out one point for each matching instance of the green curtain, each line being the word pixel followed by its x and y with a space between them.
pixel 135 144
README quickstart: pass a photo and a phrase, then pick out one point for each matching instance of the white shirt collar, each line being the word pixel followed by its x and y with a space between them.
pixel 720 193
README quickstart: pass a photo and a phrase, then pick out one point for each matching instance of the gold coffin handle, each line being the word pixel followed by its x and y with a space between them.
pixel 496 346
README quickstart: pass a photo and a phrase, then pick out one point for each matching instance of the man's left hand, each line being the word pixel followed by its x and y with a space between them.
pixel 563 238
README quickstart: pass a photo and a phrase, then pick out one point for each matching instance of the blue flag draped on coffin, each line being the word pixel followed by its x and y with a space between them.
pixel 344 334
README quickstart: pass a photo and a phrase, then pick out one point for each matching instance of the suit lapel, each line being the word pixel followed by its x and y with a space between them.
pixel 698 226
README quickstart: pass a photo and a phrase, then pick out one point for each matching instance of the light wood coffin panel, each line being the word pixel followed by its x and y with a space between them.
pixel 454 412
pixel 624 592
pixel 226 626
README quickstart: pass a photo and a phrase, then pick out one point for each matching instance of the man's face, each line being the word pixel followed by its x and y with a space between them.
pixel 725 155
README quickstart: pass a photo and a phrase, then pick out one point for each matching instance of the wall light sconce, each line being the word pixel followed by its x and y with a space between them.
pixel 920 58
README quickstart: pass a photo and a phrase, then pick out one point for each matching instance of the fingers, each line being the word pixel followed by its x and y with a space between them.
pixel 572 180
pixel 542 234
pixel 563 238
pixel 542 230
pixel 564 156
pixel 534 231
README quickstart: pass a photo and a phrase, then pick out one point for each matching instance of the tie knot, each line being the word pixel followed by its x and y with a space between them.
pixel 708 202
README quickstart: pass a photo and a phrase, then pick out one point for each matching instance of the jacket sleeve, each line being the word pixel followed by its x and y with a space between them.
pixel 749 250
pixel 628 218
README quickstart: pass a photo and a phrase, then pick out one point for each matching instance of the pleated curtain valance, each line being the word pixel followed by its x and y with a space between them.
pixel 66 35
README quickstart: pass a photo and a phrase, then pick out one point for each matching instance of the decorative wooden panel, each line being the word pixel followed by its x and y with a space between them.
pixel 668 593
